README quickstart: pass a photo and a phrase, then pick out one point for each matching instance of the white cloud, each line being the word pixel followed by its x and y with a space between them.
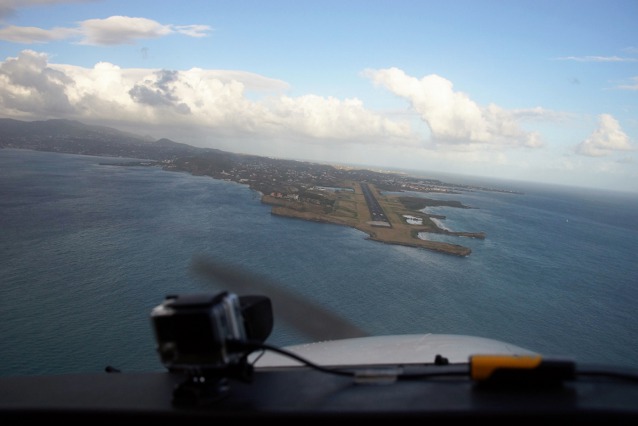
pixel 28 35
pixel 540 114
pixel 454 118
pixel 632 86
pixel 598 59
pixel 28 85
pixel 114 30
pixel 192 30
pixel 608 138
pixel 332 118
pixel 120 30
pixel 214 101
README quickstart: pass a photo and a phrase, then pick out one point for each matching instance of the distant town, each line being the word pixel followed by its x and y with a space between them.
pixel 374 202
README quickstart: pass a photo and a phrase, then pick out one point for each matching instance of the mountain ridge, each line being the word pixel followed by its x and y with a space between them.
pixel 75 137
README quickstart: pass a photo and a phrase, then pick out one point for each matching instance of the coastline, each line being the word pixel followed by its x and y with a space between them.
pixel 405 216
pixel 377 236
pixel 350 209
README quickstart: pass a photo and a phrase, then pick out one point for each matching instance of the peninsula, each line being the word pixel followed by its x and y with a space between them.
pixel 399 222
pixel 374 202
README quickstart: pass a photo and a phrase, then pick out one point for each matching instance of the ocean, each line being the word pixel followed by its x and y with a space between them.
pixel 88 249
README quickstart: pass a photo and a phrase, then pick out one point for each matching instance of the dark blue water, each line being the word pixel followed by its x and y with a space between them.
pixel 87 250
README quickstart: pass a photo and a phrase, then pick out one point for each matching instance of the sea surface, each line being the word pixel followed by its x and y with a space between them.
pixel 88 249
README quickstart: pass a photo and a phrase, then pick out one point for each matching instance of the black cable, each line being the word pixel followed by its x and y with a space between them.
pixel 462 371
pixel 252 346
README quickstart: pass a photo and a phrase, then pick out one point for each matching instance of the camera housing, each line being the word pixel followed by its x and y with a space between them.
pixel 192 331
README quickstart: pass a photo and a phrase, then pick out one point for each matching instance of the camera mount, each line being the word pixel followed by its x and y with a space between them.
pixel 201 336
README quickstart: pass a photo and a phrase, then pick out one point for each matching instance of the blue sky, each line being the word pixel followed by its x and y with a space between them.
pixel 530 90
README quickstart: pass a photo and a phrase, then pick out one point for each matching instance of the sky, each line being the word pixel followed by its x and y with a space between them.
pixel 541 91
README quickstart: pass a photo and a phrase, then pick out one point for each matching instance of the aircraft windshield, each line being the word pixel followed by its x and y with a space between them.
pixel 406 169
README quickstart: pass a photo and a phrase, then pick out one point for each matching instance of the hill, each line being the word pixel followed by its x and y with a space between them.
pixel 74 137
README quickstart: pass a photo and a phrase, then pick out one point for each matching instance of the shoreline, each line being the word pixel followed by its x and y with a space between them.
pixel 399 231
pixel 442 247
